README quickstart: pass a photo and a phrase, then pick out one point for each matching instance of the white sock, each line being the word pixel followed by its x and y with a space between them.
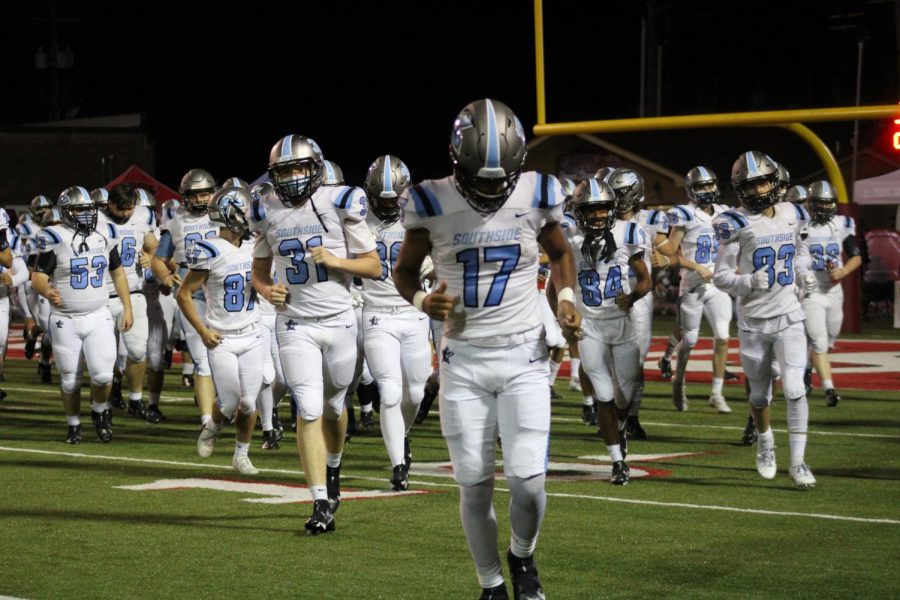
pixel 319 492
pixel 797 442
pixel 717 385
pixel 575 365
pixel 135 396
pixel 73 420
pixel 206 420
pixel 827 384
pixel 97 407
pixel 588 400
pixel 766 439
pixel 554 370
pixel 333 460
pixel 241 449
pixel 366 408
pixel 615 452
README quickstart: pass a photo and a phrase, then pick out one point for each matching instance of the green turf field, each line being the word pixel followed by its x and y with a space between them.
pixel 706 527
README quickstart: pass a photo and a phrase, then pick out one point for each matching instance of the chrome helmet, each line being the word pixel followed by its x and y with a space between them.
pixel 262 190
pixel 797 194
pixel 568 190
pixel 749 175
pixel 228 208
pixel 38 206
pixel 235 182
pixel 51 217
pixel 629 188
pixel 333 175
pixel 592 195
pixel 702 186
pixel 784 182
pixel 821 202
pixel 295 168
pixel 195 186
pixel 100 196
pixel 144 198
pixel 386 180
pixel 77 210
pixel 603 172
pixel 487 150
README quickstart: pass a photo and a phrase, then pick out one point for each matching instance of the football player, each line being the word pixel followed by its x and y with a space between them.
pixel 610 349
pixel 821 273
pixel 317 240
pixel 396 334
pixel 757 246
pixel 41 215
pixel 70 275
pixel 692 233
pixel 13 273
pixel 230 330
pixel 189 224
pixel 482 227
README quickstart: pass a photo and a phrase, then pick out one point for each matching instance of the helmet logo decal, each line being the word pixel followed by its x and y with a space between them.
pixel 388 180
pixel 329 171
pixel 595 188
pixel 752 167
pixel 492 156
pixel 286 144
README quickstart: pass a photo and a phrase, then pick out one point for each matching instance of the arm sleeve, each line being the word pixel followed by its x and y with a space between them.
pixel 166 248
pixel 46 263
pixel 725 276
pixel 23 301
pixel 19 271
pixel 803 260
pixel 115 260
pixel 850 246
pixel 4 243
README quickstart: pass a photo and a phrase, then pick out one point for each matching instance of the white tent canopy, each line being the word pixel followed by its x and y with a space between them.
pixel 884 189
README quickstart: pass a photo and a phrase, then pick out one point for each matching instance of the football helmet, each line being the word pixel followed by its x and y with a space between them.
pixel 235 182
pixel 296 166
pixel 228 208
pixel 629 188
pixel 754 176
pixel 195 185
pixel 144 198
pixel 77 210
pixel 821 202
pixel 603 172
pixel 100 196
pixel 702 186
pixel 487 150
pixel 797 194
pixel 171 205
pixel 592 197
pixel 333 174
pixel 568 189
pixel 387 178
pixel 51 217
pixel 784 182
pixel 38 206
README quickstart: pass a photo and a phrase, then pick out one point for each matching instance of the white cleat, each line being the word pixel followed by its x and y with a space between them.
pixel 765 462
pixel 207 441
pixel 802 476
pixel 718 403
pixel 243 465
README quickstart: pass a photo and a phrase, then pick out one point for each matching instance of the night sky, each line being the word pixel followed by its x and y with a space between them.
pixel 218 87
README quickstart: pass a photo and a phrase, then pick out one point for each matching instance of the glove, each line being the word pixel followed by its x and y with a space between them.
pixel 809 282
pixel 759 280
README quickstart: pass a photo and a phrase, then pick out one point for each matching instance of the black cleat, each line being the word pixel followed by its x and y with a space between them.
pixel 366 421
pixel 748 438
pixel 588 414
pixel 30 343
pixel 633 428
pixel 494 593
pixel 136 409
pixel 665 367
pixel 407 452
pixel 277 425
pixel 525 579
pixel 102 424
pixel 620 473
pixel 270 440
pixel 400 478
pixel 554 395
pixel 831 398
pixel 807 381
pixel 44 371
pixel 729 376
pixel 74 434
pixel 322 519
pixel 333 483
pixel 167 358
pixel 187 381
pixel 115 395
pixel 427 401
pixel 153 414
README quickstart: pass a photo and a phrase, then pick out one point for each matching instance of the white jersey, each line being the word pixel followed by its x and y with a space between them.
pixel 489 261
pixel 334 217
pixel 27 231
pixel 652 223
pixel 128 239
pixel 824 247
pixel 380 292
pixel 80 273
pixel 601 281
pixel 231 301
pixel 765 244
pixel 181 231
pixel 699 243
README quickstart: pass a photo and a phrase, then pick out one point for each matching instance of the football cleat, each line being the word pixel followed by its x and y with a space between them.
pixel 206 442
pixel 554 395
pixel 588 414
pixel 749 436
pixel 136 409
pixel 277 425
pixel 665 367
pixel 270 440
pixel 187 381
pixel 427 401
pixel 366 421
pixel 333 483
pixel 407 452
pixel 765 462
pixel 400 478
pixel 44 371
pixel 718 402
pixel 831 398
pixel 494 593
pixel 102 425
pixel 802 476
pixel 115 395
pixel 322 519
pixel 678 398
pixel 74 434
pixel 153 414
pixel 620 473
pixel 243 465
pixel 729 376
pixel 525 579
pixel 633 428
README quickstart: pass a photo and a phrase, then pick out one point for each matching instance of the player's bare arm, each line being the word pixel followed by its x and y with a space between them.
pixel 641 288
pixel 562 273
pixel 416 246
pixel 362 265
pixel 261 278
pixel 192 284
pixel 120 282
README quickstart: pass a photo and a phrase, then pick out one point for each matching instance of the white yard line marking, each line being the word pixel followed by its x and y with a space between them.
pixel 54 388
pixel 448 485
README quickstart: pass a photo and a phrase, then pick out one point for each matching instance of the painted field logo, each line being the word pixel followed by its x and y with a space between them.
pixel 272 493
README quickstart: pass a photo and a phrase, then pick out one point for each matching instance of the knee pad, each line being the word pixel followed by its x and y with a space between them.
pixel 334 406
pixel 603 388
pixel 760 397
pixel 201 367
pixel 69 382
pixel 390 393
pixel 819 342
pixel 469 475
pixel 720 330
pixel 689 337
pixel 794 388
pixel 247 406
pixel 227 408
pixel 102 379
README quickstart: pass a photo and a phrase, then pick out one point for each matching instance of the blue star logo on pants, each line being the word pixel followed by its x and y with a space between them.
pixel 446 354
pixel 59 324
pixel 373 321
pixel 291 325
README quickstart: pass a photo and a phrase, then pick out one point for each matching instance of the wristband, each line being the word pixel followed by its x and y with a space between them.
pixel 566 294
pixel 419 298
